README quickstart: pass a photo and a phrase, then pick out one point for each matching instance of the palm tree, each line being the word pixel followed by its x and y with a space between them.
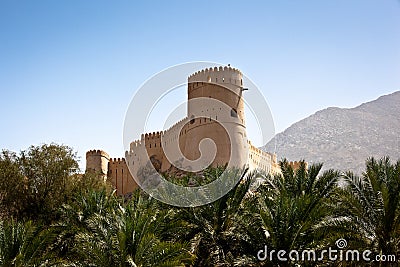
pixel 75 216
pixel 129 236
pixel 285 211
pixel 369 207
pixel 23 244
pixel 212 228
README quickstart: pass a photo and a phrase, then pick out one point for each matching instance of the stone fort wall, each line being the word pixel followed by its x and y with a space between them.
pixel 114 170
pixel 224 84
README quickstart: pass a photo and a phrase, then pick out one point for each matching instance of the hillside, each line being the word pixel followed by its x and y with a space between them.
pixel 343 138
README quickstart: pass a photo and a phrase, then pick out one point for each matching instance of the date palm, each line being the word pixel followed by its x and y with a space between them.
pixel 23 244
pixel 370 207
pixel 129 236
pixel 75 216
pixel 285 211
pixel 212 228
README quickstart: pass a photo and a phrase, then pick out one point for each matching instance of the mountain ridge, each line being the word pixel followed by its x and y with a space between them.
pixel 343 138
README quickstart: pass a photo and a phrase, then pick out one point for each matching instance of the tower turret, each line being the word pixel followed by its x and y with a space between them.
pixel 216 112
pixel 97 161
pixel 221 83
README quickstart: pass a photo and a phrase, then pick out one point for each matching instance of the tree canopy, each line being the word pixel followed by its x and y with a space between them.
pixel 50 214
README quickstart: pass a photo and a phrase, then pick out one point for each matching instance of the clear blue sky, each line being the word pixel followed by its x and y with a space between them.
pixel 68 69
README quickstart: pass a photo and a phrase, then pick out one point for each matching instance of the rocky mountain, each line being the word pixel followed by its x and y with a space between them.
pixel 343 138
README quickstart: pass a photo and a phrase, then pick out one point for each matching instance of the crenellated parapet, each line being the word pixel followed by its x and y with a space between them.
pixel 97 161
pixel 223 84
pixel 153 135
pixel 120 177
pixel 259 159
pixel 136 144
pixel 205 119
pixel 146 138
pixel 155 138
pixel 219 75
pixel 97 152
pixel 296 164
pixel 177 124
pixel 117 160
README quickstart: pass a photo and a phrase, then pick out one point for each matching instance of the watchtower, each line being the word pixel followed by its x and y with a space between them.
pixel 224 84
pixel 216 111
pixel 97 161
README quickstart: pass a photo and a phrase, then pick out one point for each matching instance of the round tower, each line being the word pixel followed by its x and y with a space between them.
pixel 216 112
pixel 97 161
pixel 221 83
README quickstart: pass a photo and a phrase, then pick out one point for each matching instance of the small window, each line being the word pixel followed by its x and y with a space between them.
pixel 234 113
pixel 192 119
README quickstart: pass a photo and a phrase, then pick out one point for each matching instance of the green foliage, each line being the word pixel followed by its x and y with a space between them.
pixel 12 185
pixel 52 215
pixel 36 180
pixel 212 227
pixel 286 209
pixel 24 244
pixel 35 183
pixel 46 169
pixel 81 184
pixel 369 207
pixel 99 231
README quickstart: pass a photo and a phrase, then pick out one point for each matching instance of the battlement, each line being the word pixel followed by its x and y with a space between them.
pixel 117 160
pixel 136 144
pixel 256 150
pixel 97 153
pixel 203 120
pixel 154 135
pixel 296 164
pixel 218 75
pixel 97 161
pixel 184 120
pixel 150 138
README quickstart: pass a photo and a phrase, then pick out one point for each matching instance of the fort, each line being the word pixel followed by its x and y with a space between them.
pixel 215 111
